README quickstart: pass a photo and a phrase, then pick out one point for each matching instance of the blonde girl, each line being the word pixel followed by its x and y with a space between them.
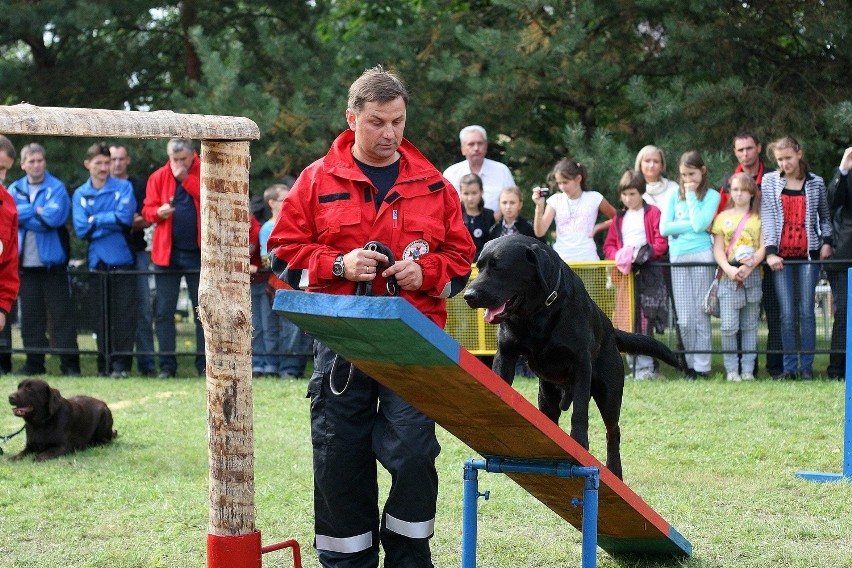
pixel 740 288
pixel 511 202
pixel 658 189
pixel 796 225
pixel 685 222
pixel 576 210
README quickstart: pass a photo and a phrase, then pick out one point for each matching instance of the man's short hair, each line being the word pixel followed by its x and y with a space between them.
pixel 273 190
pixel 743 134
pixel 179 145
pixel 119 145
pixel 376 85
pixel 472 128
pixel 7 147
pixel 97 149
pixel 32 148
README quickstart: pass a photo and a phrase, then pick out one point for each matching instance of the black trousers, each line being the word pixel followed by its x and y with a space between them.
pixel 774 361
pixel 350 432
pixel 837 279
pixel 45 299
pixel 117 309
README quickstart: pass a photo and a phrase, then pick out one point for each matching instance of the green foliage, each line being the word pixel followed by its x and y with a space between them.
pixel 618 75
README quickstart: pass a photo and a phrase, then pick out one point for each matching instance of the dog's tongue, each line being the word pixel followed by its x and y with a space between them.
pixel 492 313
pixel 21 410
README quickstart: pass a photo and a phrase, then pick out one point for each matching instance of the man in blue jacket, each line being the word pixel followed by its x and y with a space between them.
pixel 103 211
pixel 43 207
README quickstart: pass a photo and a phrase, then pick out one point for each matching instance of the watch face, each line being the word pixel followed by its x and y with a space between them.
pixel 337 268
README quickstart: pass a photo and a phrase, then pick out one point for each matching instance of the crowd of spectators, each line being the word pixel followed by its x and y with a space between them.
pixel 134 228
pixel 787 217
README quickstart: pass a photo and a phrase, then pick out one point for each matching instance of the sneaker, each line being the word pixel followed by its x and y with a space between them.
pixel 747 377
pixel 645 375
pixel 734 376
pixel 118 375
pixel 71 372
pixel 166 374
pixel 806 375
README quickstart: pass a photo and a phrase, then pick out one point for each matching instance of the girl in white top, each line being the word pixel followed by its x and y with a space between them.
pixel 576 210
pixel 658 189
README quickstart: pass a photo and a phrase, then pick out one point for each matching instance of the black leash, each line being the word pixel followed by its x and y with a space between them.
pixel 7 437
pixel 366 289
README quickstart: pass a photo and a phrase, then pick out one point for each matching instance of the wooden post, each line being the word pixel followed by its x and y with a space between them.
pixel 225 311
pixel 223 295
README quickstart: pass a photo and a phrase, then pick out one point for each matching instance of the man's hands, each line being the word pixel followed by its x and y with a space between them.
pixel 361 265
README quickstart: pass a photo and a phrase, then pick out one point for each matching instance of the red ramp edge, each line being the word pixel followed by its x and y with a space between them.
pixel 401 348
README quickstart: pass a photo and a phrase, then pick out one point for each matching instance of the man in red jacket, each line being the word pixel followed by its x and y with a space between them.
pixel 373 185
pixel 9 279
pixel 173 202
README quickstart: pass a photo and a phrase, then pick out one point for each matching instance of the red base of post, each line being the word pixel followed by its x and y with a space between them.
pixel 234 551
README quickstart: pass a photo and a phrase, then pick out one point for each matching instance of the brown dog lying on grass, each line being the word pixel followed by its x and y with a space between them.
pixel 56 426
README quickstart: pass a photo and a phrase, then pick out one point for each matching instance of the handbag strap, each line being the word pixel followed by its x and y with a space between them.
pixel 731 244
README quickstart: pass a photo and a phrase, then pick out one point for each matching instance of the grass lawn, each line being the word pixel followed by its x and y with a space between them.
pixel 715 459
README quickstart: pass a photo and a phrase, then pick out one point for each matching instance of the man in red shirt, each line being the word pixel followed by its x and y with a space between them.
pixel 373 185
pixel 173 202
pixel 9 280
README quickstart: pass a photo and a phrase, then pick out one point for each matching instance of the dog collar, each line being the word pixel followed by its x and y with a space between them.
pixel 552 297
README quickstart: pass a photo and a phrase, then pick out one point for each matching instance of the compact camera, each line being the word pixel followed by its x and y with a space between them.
pixel 543 190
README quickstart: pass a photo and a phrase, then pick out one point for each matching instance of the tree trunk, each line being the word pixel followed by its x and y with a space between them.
pixel 225 311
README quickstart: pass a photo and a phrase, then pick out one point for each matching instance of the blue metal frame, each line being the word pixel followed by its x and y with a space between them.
pixel 544 467
pixel 820 477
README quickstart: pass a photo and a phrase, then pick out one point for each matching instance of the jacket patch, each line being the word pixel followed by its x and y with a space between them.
pixel 436 186
pixel 415 250
pixel 328 198
pixel 392 197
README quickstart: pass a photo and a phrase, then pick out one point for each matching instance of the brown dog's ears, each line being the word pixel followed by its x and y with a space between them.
pixel 54 402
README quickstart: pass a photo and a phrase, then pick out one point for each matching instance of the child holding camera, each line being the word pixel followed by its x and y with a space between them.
pixel 575 209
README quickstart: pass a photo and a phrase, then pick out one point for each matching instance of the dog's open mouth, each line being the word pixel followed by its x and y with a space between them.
pixel 496 315
pixel 22 410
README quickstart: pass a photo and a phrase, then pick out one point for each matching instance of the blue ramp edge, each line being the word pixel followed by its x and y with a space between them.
pixel 294 305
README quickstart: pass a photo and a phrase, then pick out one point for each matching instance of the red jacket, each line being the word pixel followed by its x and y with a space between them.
pixel 331 211
pixel 10 282
pixel 161 188
pixel 659 244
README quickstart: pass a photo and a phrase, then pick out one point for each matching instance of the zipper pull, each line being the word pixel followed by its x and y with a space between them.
pixel 395 217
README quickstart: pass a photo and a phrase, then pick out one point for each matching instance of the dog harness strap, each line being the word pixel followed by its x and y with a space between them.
pixel 552 297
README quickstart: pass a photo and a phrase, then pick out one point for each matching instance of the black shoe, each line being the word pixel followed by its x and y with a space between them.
pixel 166 374
pixel 149 373
pixel 27 370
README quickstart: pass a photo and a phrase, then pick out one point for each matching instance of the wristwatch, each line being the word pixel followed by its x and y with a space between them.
pixel 338 268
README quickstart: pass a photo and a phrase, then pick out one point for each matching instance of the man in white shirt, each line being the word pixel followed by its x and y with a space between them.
pixel 495 175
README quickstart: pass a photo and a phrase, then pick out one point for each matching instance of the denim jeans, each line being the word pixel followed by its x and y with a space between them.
pixel 264 335
pixel 144 314
pixel 805 276
pixel 293 341
pixel 183 264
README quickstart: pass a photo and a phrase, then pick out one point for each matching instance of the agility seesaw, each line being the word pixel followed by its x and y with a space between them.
pixel 822 477
pixel 390 340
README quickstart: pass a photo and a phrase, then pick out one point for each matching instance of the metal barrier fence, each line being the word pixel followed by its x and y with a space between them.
pixel 615 293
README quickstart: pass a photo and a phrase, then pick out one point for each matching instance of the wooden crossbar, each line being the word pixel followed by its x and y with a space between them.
pixel 87 122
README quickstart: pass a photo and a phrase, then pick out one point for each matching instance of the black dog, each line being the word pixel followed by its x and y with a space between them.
pixel 546 315
pixel 55 425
